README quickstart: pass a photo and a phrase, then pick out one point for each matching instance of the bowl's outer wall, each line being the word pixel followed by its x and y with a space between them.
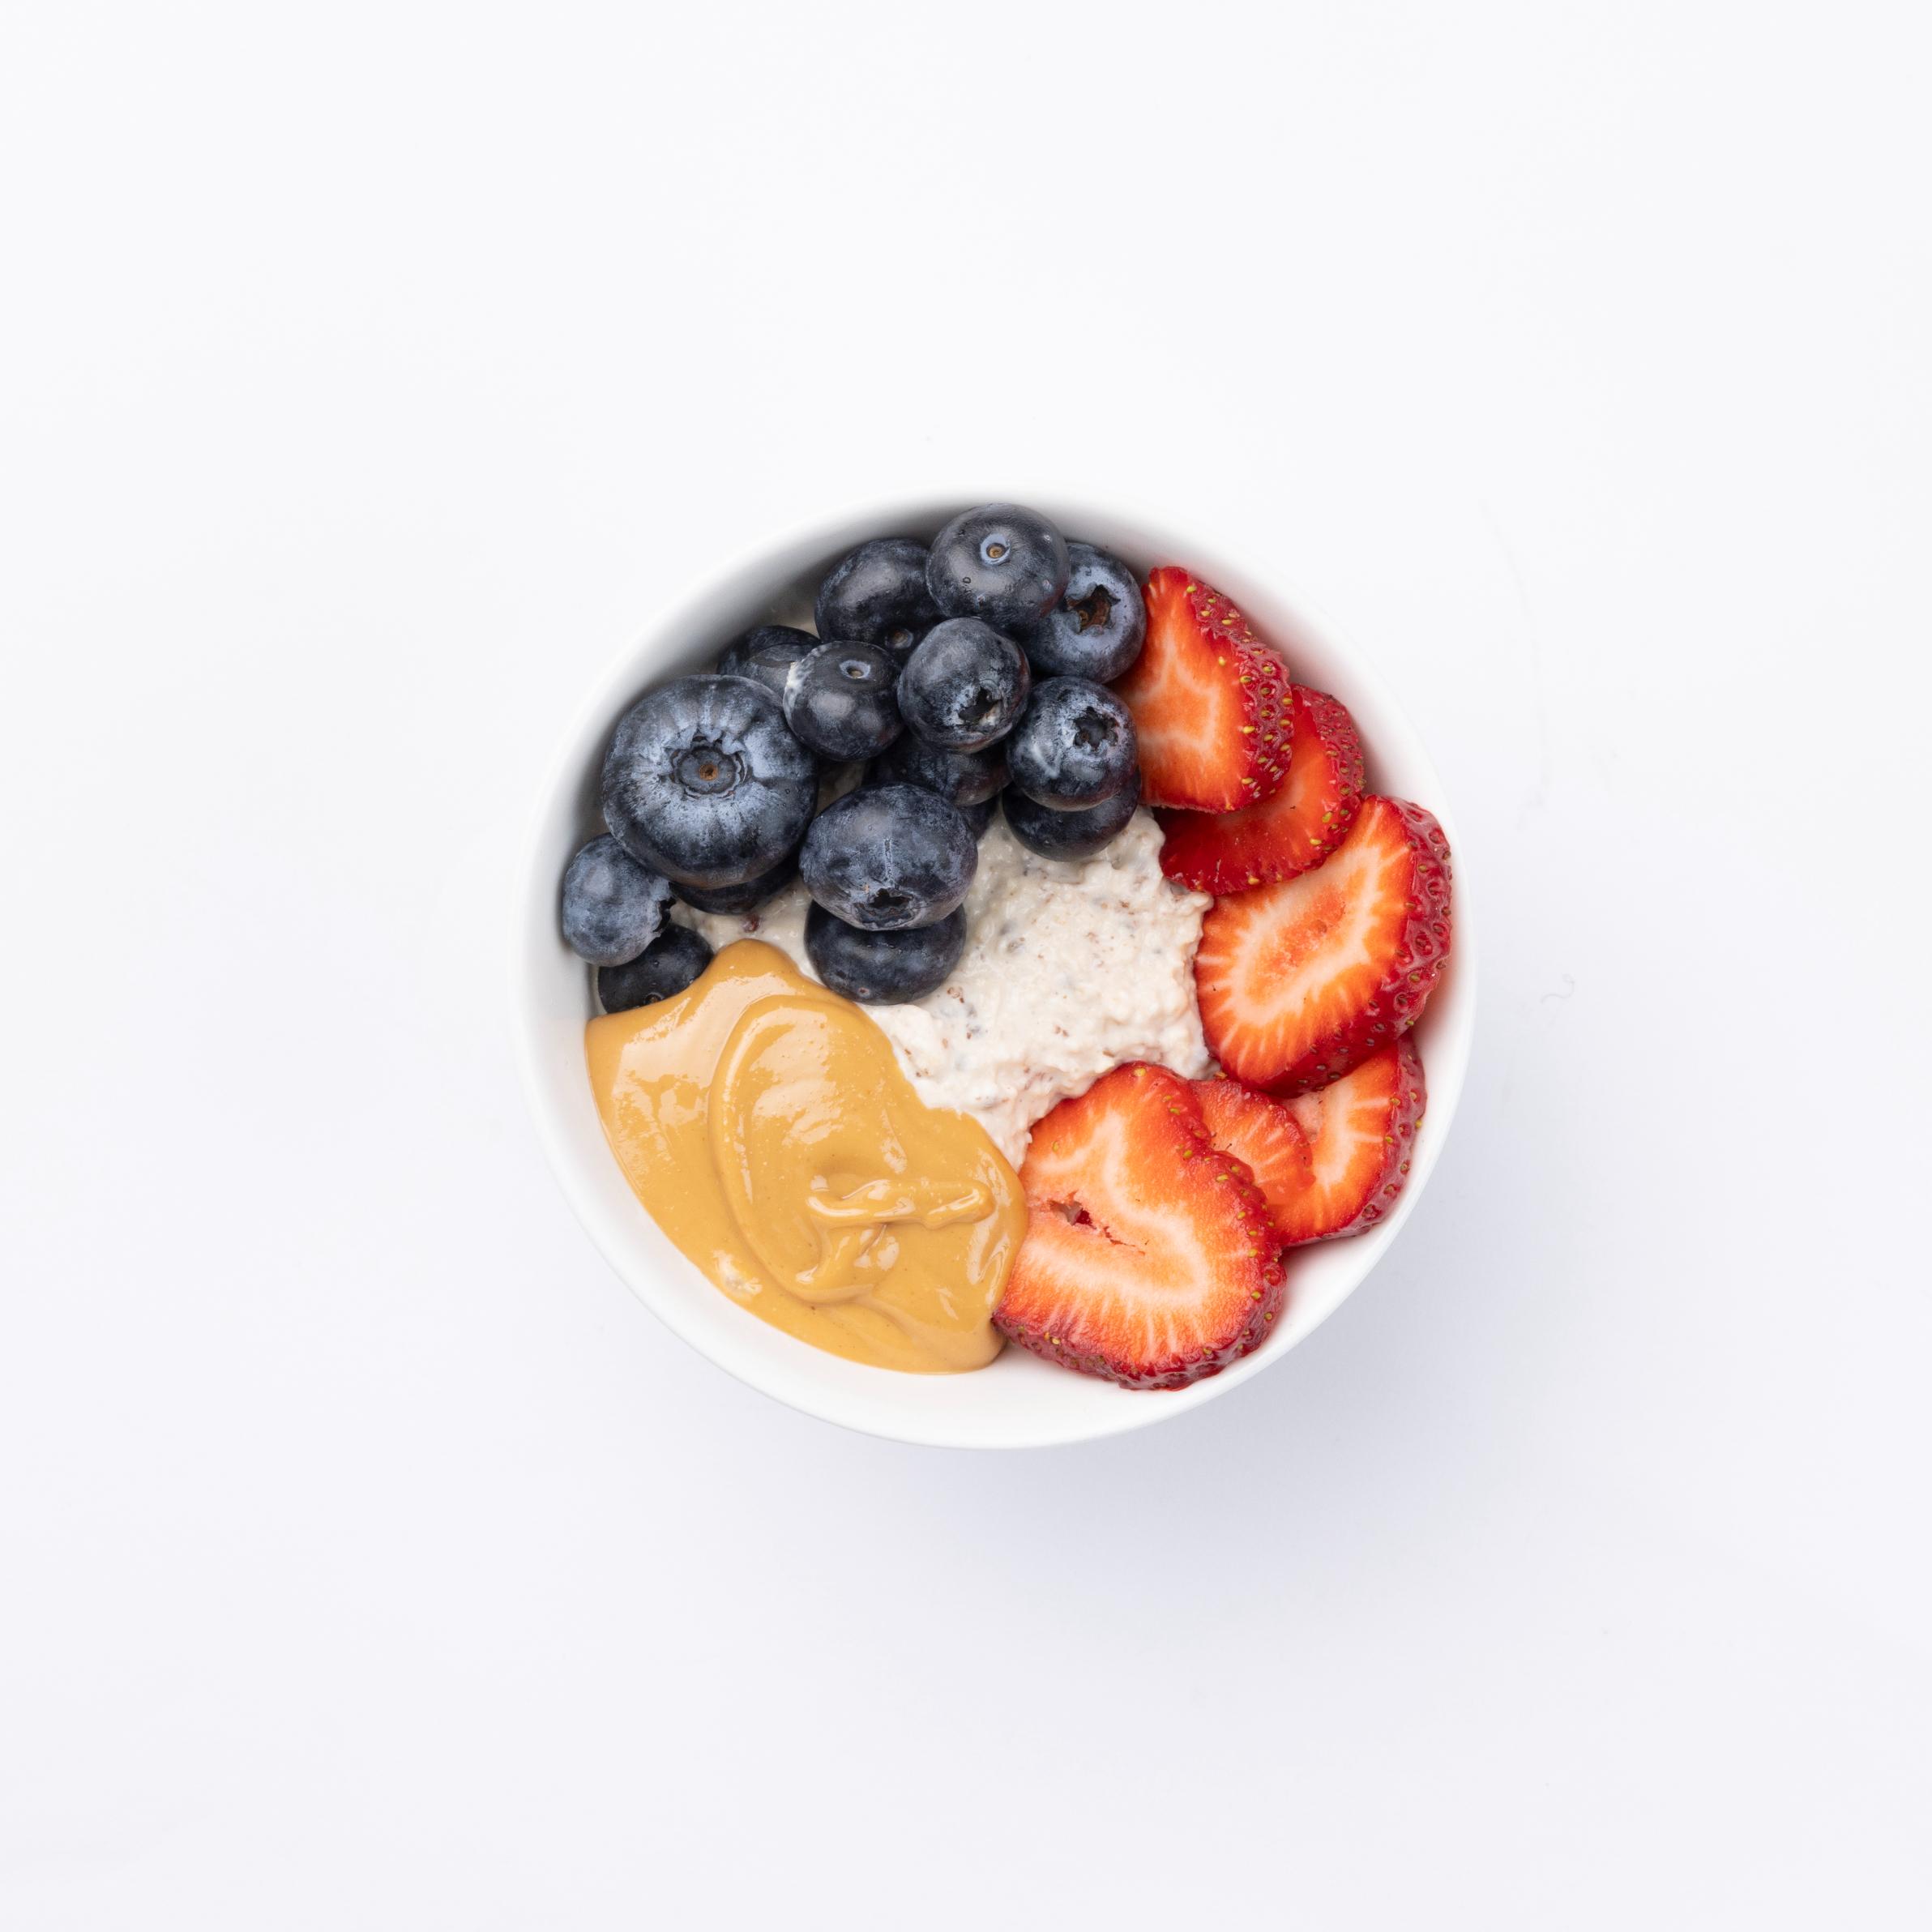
pixel 1019 1401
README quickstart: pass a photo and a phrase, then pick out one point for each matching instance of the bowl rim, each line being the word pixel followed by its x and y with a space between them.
pixel 534 885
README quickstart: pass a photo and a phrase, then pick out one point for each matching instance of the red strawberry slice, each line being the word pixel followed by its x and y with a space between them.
pixel 1263 1135
pixel 1298 828
pixel 1209 700
pixel 1150 1257
pixel 1332 1162
pixel 1360 1132
pixel 1303 980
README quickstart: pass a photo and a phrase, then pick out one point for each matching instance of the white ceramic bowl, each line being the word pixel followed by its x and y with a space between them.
pixel 1018 1401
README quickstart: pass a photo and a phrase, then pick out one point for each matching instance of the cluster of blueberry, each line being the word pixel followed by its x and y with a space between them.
pixel 976 668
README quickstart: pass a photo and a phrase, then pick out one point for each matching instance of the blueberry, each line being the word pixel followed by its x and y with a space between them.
pixel 965 686
pixel 1073 746
pixel 1068 835
pixel 746 898
pixel 612 905
pixel 888 857
pixel 878 595
pixel 1001 562
pixel 883 969
pixel 965 777
pixel 665 966
pixel 839 700
pixel 767 654
pixel 978 815
pixel 703 783
pixel 1096 628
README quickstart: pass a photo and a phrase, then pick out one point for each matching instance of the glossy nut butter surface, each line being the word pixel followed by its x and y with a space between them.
pixel 766 1125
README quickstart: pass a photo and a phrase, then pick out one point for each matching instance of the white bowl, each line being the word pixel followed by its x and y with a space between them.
pixel 1018 1401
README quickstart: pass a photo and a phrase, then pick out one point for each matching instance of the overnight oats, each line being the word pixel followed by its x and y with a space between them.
pixel 1018 955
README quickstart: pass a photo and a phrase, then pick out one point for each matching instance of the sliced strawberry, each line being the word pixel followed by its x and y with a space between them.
pixel 1263 1135
pixel 1209 700
pixel 1299 827
pixel 1360 1133
pixel 1332 1162
pixel 1301 980
pixel 1150 1257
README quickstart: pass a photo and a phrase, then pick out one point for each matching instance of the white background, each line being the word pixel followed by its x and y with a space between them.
pixel 371 374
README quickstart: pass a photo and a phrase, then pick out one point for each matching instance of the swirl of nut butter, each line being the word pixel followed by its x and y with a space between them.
pixel 829 1045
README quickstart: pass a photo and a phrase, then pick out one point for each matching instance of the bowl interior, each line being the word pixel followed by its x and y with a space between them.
pixel 1018 1401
